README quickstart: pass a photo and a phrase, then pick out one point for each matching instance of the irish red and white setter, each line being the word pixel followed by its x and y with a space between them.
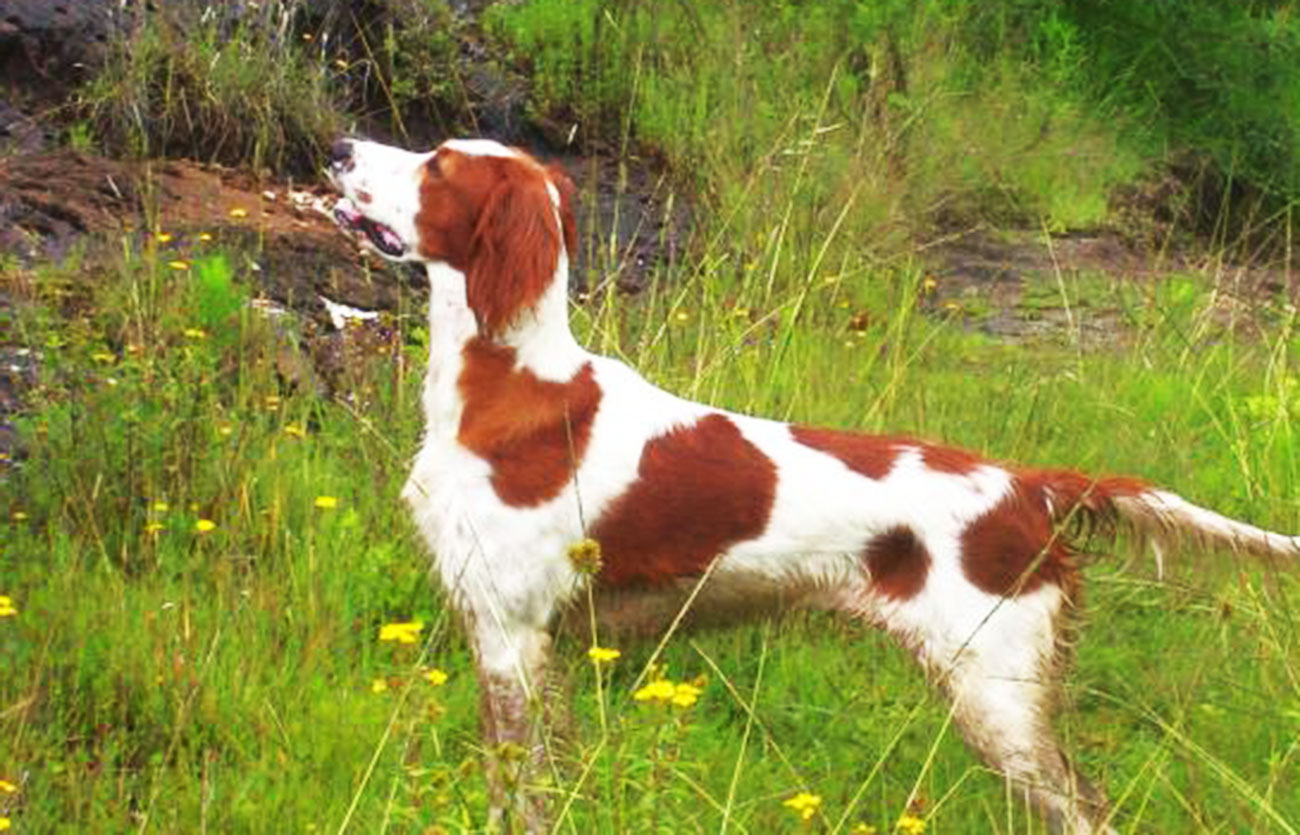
pixel 533 444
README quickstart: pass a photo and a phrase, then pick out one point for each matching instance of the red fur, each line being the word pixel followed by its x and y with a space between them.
pixel 700 489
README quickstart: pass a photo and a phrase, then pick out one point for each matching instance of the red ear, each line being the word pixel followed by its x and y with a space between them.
pixel 513 254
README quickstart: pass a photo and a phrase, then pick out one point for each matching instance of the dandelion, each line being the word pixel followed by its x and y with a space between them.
pixel 160 507
pixel 7 788
pixel 155 527
pixel 929 285
pixel 239 212
pixel 952 306
pixel 327 502
pixel 379 685
pixel 435 677
pixel 272 402
pixel 863 829
pixel 910 824
pixel 662 690
pixel 225 430
pixel 294 430
pixel 7 608
pixel 18 516
pixel 179 265
pixel 584 556
pixel 163 237
pixel 205 236
pixel 195 333
pixel 4 824
pixel 682 316
pixel 103 357
pixel 205 525
pixel 685 695
pixel 603 655
pixel 401 633
pixel 803 804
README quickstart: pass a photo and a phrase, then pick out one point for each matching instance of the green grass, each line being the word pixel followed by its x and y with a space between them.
pixel 162 678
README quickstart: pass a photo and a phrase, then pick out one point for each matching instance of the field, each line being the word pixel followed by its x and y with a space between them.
pixel 205 566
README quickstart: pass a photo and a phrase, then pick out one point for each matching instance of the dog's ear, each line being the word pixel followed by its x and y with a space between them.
pixel 514 252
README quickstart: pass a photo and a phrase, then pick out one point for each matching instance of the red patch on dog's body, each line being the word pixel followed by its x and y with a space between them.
pixel 870 455
pixel 898 562
pixel 700 489
pixel 874 455
pixel 1027 539
pixel 533 432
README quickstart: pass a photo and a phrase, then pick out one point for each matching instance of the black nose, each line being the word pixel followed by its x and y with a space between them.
pixel 340 151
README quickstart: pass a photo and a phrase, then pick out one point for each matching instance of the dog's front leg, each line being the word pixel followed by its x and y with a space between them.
pixel 511 662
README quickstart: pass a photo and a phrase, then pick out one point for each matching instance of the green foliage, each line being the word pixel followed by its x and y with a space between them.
pixel 241 90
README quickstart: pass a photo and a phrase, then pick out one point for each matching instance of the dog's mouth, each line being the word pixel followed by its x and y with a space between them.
pixel 382 237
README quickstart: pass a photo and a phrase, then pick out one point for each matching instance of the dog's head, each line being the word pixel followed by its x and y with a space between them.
pixel 488 211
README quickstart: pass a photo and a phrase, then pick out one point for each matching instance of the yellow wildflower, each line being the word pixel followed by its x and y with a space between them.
pixel 238 212
pixel 929 285
pixel 205 525
pixel 910 824
pixel 225 430
pixel 7 609
pixel 682 316
pixel 7 788
pixel 4 824
pixel 685 695
pixel 18 516
pixel 436 677
pixel 102 356
pixel 602 654
pixel 657 691
pixel 402 633
pixel 154 527
pixel 584 556
pixel 205 236
pixel 863 829
pixel 379 685
pixel 327 502
pixel 163 237
pixel 195 333
pixel 294 430
pixel 803 804
pixel 179 265
pixel 160 507
pixel 272 402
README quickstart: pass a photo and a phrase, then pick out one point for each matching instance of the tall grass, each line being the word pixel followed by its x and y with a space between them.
pixel 164 677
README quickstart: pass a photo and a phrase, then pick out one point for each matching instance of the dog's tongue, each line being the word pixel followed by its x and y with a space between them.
pixel 346 212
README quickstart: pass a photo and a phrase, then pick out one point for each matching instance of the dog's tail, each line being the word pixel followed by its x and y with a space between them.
pixel 1163 518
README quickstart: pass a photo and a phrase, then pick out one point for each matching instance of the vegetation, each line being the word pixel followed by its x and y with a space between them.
pixel 209 590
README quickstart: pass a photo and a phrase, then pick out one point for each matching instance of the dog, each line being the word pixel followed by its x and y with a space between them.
pixel 532 444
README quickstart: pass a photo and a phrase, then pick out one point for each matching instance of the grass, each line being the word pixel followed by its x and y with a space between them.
pixel 162 677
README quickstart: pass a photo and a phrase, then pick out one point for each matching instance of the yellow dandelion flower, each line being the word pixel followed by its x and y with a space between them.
pixel 155 527
pixel 4 824
pixel 682 316
pixel 205 525
pixel 163 237
pixel 294 430
pixel 603 655
pixel 18 516
pixel 225 430
pixel 238 212
pixel 103 356
pixel 436 677
pixel 7 608
pixel 803 804
pixel 952 306
pixel 160 507
pixel 379 685
pixel 910 824
pixel 584 556
pixel 401 633
pixel 205 236
pixel 327 502
pixel 7 788
pixel 272 402
pixel 179 265
pixel 656 691
pixel 195 333
pixel 685 695
pixel 863 829
pixel 929 285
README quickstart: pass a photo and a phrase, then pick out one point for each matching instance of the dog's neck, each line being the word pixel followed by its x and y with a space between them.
pixel 540 339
